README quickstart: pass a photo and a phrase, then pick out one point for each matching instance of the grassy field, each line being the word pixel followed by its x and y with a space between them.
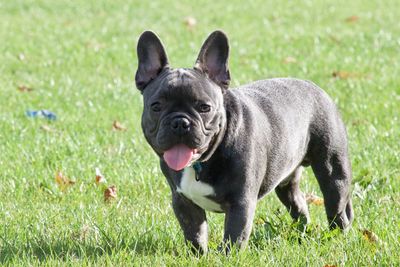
pixel 77 59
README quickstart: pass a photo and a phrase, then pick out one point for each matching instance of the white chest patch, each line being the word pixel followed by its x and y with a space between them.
pixel 197 191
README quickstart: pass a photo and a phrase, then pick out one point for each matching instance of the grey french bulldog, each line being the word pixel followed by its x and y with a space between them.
pixel 223 149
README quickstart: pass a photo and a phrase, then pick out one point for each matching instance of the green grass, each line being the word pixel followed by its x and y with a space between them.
pixel 79 58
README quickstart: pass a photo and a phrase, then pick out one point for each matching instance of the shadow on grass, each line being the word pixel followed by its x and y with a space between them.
pixel 65 250
pixel 265 233
pixel 277 230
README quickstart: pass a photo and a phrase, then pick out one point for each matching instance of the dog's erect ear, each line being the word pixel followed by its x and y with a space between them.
pixel 152 59
pixel 213 59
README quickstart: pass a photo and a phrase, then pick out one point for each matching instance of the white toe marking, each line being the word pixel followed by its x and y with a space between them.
pixel 197 191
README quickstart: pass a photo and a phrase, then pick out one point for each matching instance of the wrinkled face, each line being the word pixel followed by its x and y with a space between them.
pixel 182 107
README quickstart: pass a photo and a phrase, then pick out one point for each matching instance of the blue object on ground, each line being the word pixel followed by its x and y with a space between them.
pixel 41 113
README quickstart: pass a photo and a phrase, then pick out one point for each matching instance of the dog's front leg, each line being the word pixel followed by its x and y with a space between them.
pixel 238 223
pixel 193 222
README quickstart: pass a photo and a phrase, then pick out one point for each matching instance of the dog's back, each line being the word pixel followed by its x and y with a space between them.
pixel 296 121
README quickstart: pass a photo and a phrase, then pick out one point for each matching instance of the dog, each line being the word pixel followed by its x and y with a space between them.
pixel 223 149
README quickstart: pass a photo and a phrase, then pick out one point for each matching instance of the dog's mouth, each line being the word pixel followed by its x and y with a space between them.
pixel 180 156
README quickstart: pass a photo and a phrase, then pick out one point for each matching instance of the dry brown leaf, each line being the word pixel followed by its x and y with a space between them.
pixel 346 75
pixel 24 88
pixel 117 126
pixel 341 74
pixel 99 177
pixel 110 193
pixel 289 60
pixel 329 265
pixel 190 22
pixel 63 181
pixel 313 199
pixel 351 19
pixel 370 236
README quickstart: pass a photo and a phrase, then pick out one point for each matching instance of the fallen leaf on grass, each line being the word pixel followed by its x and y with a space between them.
pixel 313 199
pixel 63 181
pixel 117 126
pixel 99 177
pixel 289 60
pixel 328 265
pixel 190 22
pixel 346 75
pixel 370 236
pixel 110 193
pixel 352 19
pixel 24 88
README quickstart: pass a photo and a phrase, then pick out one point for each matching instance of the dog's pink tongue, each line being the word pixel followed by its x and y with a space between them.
pixel 178 157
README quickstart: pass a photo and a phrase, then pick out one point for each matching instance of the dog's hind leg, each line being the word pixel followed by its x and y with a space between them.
pixel 290 195
pixel 333 173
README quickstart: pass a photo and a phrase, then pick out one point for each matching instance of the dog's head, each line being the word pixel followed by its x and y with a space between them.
pixel 183 113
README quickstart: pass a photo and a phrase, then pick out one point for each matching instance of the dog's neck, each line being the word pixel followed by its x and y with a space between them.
pixel 230 121
pixel 216 140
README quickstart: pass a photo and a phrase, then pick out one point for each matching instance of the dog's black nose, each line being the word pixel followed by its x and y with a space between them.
pixel 180 125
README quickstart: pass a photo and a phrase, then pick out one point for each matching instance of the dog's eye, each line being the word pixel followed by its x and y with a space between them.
pixel 156 107
pixel 204 108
